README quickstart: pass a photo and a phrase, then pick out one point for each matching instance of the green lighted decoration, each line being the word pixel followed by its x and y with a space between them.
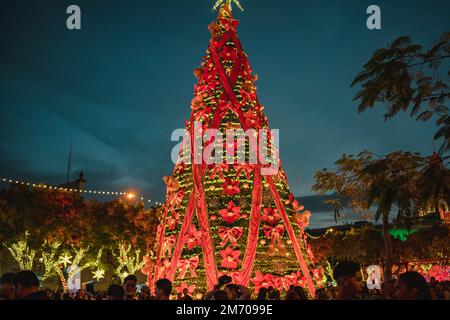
pixel 402 234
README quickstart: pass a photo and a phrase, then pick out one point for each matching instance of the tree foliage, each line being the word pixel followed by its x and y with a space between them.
pixel 405 77
pixel 49 225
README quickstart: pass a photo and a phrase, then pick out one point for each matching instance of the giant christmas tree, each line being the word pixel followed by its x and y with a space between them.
pixel 230 217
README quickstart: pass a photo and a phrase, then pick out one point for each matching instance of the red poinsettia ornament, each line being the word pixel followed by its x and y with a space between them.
pixel 271 216
pixel 230 258
pixel 230 188
pixel 262 281
pixel 193 238
pixel 231 213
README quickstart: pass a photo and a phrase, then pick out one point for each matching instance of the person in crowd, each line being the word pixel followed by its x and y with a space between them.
pixel 223 280
pixel 300 292
pixel 322 294
pixel 349 280
pixel 275 295
pixel 6 286
pixel 144 294
pixel 26 286
pixel 186 295
pixel 57 295
pixel 243 293
pixel 292 295
pixel 262 294
pixel 411 286
pixel 115 292
pixel 237 292
pixel 129 286
pixel 163 289
pixel 220 295
pixel 232 291
pixel 66 296
pixel 433 282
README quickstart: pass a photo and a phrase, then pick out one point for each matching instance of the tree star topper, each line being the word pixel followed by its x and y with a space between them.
pixel 228 3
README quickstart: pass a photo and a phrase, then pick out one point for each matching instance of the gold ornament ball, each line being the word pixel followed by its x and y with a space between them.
pixel 245 185
pixel 262 241
pixel 213 218
pixel 213 187
pixel 289 242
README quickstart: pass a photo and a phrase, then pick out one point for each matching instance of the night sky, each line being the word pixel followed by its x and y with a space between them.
pixel 121 85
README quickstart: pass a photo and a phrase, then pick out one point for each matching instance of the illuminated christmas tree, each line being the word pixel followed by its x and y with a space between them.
pixel 230 217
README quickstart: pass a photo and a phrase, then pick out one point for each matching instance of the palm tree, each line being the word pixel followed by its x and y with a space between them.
pixel 392 184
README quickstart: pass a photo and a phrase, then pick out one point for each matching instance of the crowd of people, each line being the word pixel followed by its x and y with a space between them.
pixel 411 285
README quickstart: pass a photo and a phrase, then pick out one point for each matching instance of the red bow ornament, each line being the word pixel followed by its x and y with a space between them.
pixel 218 169
pixel 245 168
pixel 167 246
pixel 231 235
pixel 275 233
pixel 187 265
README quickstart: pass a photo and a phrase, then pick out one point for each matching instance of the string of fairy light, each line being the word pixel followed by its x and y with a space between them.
pixel 129 195
pixel 321 236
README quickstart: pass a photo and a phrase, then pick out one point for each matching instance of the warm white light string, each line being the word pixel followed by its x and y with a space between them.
pixel 129 195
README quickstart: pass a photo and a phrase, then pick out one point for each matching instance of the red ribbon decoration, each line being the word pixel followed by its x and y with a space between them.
pixel 230 234
pixel 245 168
pixel 292 236
pixel 187 265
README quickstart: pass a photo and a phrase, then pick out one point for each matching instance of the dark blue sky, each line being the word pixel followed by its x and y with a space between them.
pixel 118 87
